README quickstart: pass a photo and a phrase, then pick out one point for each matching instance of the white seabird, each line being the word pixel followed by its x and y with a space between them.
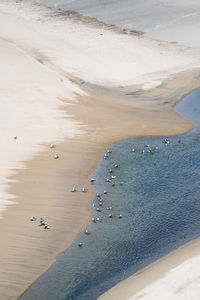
pixel 52 146
pixel 109 208
pixel 43 222
pixel 56 156
pixel 73 190
pixel 33 218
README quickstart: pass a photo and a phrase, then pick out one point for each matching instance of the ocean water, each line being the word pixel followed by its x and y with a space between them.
pixel 158 195
pixel 171 20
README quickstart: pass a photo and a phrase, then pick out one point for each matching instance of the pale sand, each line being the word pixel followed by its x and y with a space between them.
pixel 41 104
pixel 175 276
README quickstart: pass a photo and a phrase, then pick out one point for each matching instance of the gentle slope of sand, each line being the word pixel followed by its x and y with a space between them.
pixel 62 82
pixel 175 276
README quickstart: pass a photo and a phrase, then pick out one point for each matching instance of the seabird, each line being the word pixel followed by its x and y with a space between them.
pixel 109 208
pixel 166 141
pixel 15 137
pixel 46 226
pixel 80 244
pixel 43 222
pixel 133 150
pixel 150 151
pixel 110 171
pixel 92 180
pixel 98 195
pixel 98 209
pixel 56 156
pixel 109 151
pixel 93 220
pixel 33 218
pixel 110 215
pixel 52 146
pixel 87 232
pixel 84 190
pixel 120 216
pixel 73 189
pixel 105 192
pixel 116 166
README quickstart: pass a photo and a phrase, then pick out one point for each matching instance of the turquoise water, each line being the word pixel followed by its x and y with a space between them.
pixel 158 195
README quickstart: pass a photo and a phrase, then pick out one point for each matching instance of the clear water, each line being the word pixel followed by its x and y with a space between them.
pixel 160 204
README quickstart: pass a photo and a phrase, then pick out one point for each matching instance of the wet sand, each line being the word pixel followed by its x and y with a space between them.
pixel 99 115
pixel 43 187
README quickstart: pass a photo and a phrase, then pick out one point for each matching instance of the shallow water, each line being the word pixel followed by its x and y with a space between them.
pixel 157 194
pixel 166 20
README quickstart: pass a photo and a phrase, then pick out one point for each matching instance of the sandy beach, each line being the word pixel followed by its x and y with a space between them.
pixel 178 271
pixel 68 82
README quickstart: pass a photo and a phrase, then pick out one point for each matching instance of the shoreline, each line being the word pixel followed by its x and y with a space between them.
pixel 87 159
pixel 102 114
pixel 153 273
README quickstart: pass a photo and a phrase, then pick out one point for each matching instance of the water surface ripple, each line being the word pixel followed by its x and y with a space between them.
pixel 158 195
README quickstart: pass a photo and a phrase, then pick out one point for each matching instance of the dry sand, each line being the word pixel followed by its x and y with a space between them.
pixel 175 276
pixel 44 100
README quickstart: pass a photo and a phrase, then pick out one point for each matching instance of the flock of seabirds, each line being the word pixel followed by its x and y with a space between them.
pixel 98 198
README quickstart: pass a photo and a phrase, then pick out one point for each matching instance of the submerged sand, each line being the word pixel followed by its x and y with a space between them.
pixel 83 106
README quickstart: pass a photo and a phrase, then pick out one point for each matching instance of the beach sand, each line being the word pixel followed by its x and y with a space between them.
pixel 174 276
pixel 61 84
